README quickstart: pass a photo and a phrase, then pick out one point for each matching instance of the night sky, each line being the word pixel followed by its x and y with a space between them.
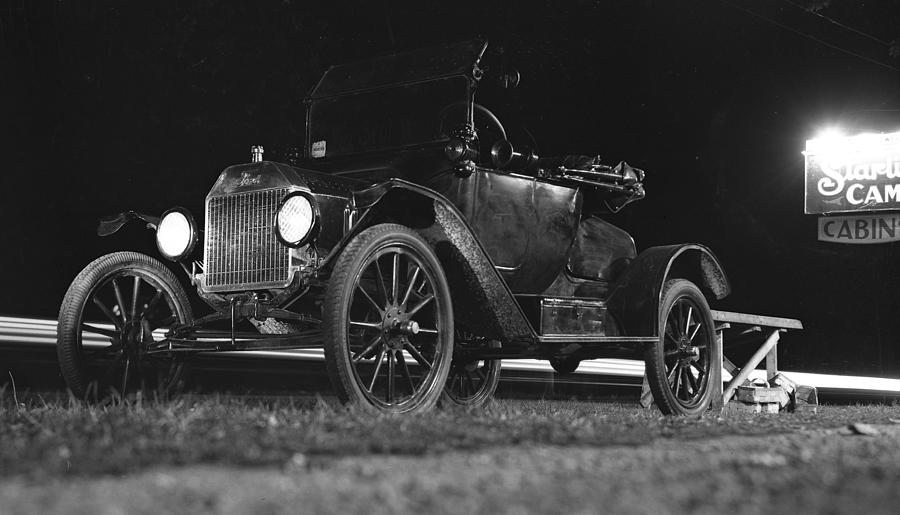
pixel 108 107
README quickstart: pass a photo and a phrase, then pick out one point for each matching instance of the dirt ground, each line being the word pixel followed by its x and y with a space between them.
pixel 806 471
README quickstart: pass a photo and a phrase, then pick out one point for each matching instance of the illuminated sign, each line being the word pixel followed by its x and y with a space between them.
pixel 852 173
pixel 860 229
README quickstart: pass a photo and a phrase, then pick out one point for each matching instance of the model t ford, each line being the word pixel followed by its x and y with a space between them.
pixel 414 244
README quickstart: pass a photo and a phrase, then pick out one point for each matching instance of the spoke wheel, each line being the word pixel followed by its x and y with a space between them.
pixel 679 363
pixel 116 307
pixel 471 383
pixel 388 322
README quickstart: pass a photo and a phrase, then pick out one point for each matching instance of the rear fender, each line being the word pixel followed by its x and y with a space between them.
pixel 636 295
pixel 481 299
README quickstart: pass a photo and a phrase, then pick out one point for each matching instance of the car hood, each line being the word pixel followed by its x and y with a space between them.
pixel 268 174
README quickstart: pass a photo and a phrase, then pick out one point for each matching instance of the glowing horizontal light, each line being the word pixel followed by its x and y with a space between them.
pixel 834 382
pixel 15 330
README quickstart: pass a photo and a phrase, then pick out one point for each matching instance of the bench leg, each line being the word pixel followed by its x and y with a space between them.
pixel 772 363
pixel 718 359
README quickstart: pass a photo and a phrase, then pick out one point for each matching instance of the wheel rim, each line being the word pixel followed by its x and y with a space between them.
pixel 467 381
pixel 121 316
pixel 395 327
pixel 470 380
pixel 686 352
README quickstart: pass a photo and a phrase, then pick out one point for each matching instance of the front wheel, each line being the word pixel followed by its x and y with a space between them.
pixel 116 307
pixel 388 322
pixel 680 363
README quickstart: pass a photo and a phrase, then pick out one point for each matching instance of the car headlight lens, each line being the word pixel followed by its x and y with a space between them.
pixel 176 234
pixel 296 220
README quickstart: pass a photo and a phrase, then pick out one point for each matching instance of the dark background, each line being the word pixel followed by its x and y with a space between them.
pixel 108 107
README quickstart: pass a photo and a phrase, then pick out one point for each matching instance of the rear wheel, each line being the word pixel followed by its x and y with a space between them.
pixel 471 383
pixel 679 363
pixel 113 309
pixel 388 322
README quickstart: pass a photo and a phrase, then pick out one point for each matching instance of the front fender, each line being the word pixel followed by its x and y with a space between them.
pixel 110 225
pixel 635 297
pixel 481 298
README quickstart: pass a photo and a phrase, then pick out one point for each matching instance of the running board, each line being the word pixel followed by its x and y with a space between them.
pixel 582 340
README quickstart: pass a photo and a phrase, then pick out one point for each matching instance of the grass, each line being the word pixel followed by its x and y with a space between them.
pixel 59 437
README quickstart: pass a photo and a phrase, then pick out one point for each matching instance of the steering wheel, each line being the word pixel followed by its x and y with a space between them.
pixel 491 118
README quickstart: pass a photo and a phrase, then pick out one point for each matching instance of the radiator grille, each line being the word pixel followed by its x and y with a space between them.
pixel 242 251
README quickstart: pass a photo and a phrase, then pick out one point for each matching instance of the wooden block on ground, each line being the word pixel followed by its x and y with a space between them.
pixel 770 407
pixel 754 407
pixel 785 383
pixel 742 407
pixel 784 398
pixel 759 382
pixel 758 394
pixel 806 395
pixel 806 399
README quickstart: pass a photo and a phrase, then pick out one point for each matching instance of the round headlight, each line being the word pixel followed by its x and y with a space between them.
pixel 176 234
pixel 296 220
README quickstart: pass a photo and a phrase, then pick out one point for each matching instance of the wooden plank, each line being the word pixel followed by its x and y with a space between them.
pixel 718 360
pixel 806 399
pixel 770 407
pixel 752 329
pixel 729 365
pixel 772 363
pixel 748 319
pixel 806 395
pixel 784 382
pixel 742 407
pixel 752 407
pixel 762 395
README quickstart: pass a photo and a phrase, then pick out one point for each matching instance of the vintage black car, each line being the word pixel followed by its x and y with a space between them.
pixel 414 244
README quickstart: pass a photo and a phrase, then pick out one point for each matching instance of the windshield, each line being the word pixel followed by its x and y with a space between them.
pixel 394 101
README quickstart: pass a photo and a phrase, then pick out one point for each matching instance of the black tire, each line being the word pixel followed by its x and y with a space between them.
pixel 108 315
pixel 679 364
pixel 471 384
pixel 408 321
pixel 565 365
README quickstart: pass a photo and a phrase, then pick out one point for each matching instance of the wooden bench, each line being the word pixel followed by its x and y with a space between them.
pixel 746 327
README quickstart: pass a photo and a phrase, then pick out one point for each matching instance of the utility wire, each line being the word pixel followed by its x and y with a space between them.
pixel 839 24
pixel 809 36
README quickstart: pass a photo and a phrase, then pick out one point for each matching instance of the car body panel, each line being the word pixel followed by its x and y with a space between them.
pixel 481 297
pixel 635 297
pixel 526 225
